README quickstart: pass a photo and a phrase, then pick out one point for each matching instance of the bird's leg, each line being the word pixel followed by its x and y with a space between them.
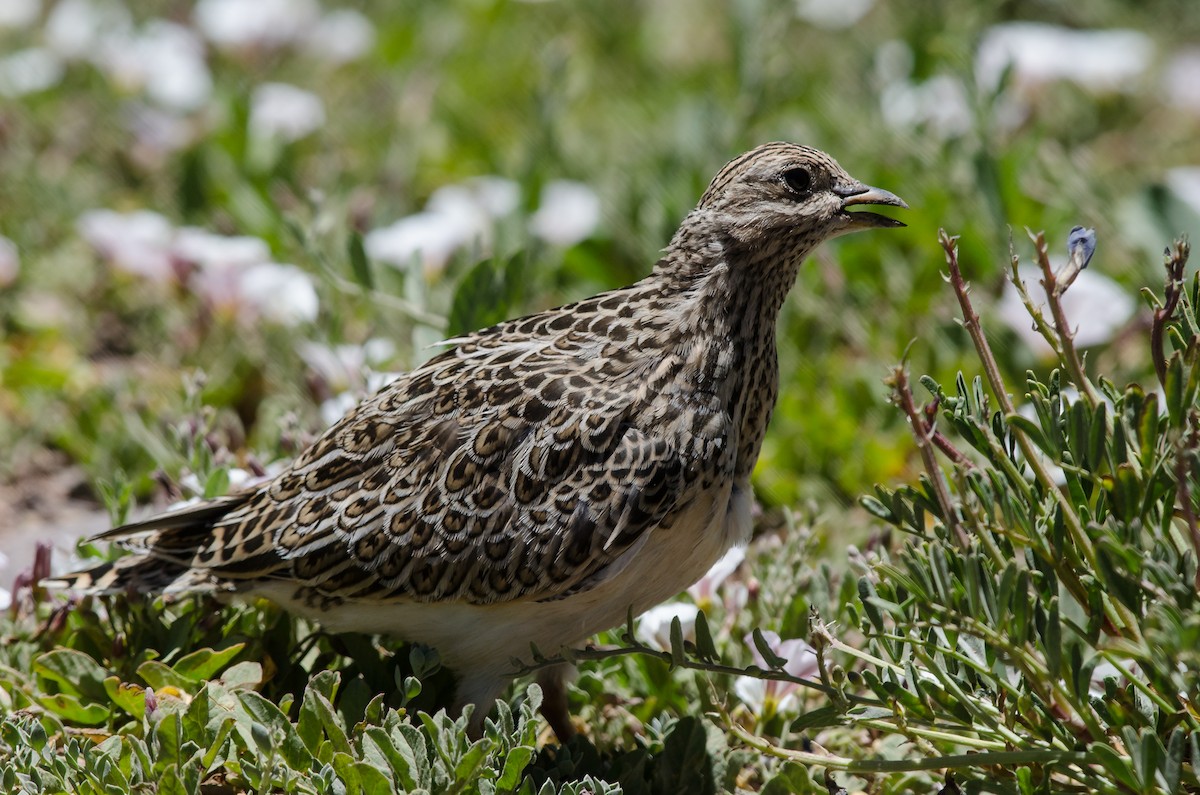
pixel 553 681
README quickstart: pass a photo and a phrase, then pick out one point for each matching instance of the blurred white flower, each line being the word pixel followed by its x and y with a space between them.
pixel 5 598
pixel 345 367
pixel 348 372
pixel 833 14
pixel 568 213
pixel 335 408
pixel 10 264
pixel 77 29
pixel 156 132
pixel 1095 305
pixel 137 242
pixel 1181 80
pixel 1100 60
pixel 19 13
pixel 283 294
pixel 1184 182
pixel 939 102
pixel 654 626
pixel 704 590
pixel 340 36
pixel 455 216
pixel 769 697
pixel 210 251
pixel 431 237
pixel 165 60
pixel 284 112
pixel 29 71
pixel 1105 670
pixel 241 24
pixel 498 196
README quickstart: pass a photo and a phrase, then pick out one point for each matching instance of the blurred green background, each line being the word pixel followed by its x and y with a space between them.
pixel 986 117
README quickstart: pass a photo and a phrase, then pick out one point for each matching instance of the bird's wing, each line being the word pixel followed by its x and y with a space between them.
pixel 495 472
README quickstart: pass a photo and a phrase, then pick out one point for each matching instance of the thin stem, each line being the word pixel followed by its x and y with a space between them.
pixel 1004 759
pixel 1069 354
pixel 1032 457
pixel 769 674
pixel 1188 446
pixel 1175 261
pixel 922 432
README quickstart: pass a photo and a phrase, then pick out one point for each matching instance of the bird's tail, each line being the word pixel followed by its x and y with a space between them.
pixel 164 546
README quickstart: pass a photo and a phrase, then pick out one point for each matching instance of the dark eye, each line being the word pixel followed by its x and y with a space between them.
pixel 798 180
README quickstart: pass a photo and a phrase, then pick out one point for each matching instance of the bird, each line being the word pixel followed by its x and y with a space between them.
pixel 539 480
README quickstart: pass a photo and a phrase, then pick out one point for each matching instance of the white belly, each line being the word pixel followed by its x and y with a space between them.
pixel 480 642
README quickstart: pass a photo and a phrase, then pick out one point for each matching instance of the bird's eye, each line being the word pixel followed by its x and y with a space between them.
pixel 798 180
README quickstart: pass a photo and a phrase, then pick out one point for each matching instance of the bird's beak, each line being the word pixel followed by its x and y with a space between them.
pixel 859 193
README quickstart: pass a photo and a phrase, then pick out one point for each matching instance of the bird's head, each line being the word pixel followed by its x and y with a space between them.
pixel 788 198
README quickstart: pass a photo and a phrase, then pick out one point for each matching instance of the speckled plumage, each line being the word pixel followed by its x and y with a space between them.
pixel 541 477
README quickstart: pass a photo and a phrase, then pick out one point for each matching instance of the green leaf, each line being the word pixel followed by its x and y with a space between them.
pixel 159 675
pixel 269 716
pixel 168 783
pixel 168 739
pixel 1053 640
pixel 203 663
pixel 468 766
pixel 74 672
pixel 359 265
pixel 395 750
pixel 678 654
pixel 772 659
pixel 685 765
pixel 129 697
pixel 217 483
pixel 70 708
pixel 514 765
pixel 242 676
pixel 486 294
pixel 825 717
pixel 705 648
pixel 790 779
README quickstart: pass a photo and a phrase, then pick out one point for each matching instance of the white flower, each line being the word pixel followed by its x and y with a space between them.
pixel 768 697
pixel 1184 182
pixel 939 102
pixel 10 262
pixel 19 13
pixel 568 213
pixel 336 407
pixel 431 237
pixel 284 112
pixel 137 242
pixel 1181 80
pixel 283 294
pixel 211 251
pixel 704 590
pixel 5 598
pixel 654 626
pixel 238 24
pixel 77 29
pixel 1095 306
pixel 455 216
pixel 833 14
pixel 165 60
pixel 156 132
pixel 345 367
pixel 1101 60
pixel 340 36
pixel 29 71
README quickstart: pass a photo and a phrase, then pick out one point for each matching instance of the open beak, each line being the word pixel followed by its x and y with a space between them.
pixel 859 193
